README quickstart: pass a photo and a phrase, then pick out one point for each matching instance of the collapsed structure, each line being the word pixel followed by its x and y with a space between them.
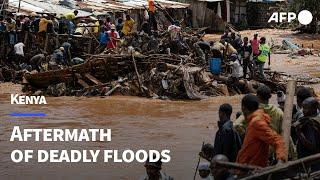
pixel 148 69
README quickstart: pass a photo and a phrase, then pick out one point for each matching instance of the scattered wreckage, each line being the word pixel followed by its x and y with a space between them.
pixel 150 66
pixel 293 50
pixel 155 75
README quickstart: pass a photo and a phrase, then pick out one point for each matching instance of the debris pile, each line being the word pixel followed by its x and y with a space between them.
pixel 156 76
pixel 152 66
pixel 294 51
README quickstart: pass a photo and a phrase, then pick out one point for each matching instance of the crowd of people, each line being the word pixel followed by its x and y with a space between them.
pixel 255 137
pixel 108 30
pixel 244 58
pixel 243 55
pixel 15 27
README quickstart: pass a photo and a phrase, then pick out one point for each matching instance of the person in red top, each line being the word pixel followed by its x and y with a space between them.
pixel 255 45
pixel 114 37
pixel 259 135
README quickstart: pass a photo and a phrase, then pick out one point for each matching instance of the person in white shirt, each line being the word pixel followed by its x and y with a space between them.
pixel 237 70
pixel 174 31
pixel 18 49
pixel 18 53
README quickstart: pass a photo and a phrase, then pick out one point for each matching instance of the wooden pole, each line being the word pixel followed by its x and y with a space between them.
pixel 94 37
pixel 90 46
pixel 242 167
pixel 46 41
pixel 56 38
pixel 197 167
pixel 292 166
pixel 137 73
pixel 2 6
pixel 19 5
pixel 287 115
pixel 25 41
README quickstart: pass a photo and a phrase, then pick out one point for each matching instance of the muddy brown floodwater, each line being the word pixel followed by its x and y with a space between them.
pixel 136 123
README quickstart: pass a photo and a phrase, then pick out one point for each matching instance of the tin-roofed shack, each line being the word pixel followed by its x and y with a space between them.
pixel 242 13
pixel 87 9
pixel 208 13
pixel 103 8
pixel 29 6
pixel 3 5
pixel 136 8
pixel 215 13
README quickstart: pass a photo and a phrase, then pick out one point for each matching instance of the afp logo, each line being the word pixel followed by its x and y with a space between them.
pixel 304 17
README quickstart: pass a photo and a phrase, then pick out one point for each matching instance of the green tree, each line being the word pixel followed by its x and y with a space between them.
pixel 311 5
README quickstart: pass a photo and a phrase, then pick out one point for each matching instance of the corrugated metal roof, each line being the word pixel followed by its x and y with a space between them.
pixel 99 6
pixel 37 6
pixel 211 0
pixel 25 6
pixel 139 4
pixel 105 6
pixel 266 0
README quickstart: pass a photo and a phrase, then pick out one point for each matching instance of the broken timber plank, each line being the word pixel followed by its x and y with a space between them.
pixel 242 167
pixel 92 78
pixel 287 115
pixel 112 90
pixel 137 73
pixel 46 43
pixel 283 168
pixel 83 83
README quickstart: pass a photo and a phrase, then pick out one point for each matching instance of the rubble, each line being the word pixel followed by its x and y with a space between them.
pixel 293 50
pixel 144 65
pixel 161 77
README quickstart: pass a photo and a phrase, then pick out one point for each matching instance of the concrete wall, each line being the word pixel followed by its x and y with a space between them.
pixel 239 10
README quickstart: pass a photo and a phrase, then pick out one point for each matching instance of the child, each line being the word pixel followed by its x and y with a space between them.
pixel 205 172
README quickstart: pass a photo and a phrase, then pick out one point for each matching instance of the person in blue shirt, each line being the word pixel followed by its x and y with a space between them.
pixel 103 39
pixel 58 56
pixel 67 52
pixel 2 24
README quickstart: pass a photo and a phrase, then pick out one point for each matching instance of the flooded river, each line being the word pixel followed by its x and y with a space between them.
pixel 136 123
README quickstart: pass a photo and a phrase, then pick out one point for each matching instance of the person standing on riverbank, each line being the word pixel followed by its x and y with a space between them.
pixel 264 55
pixel 259 135
pixel 308 129
pixel 255 46
pixel 246 52
pixel 227 141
